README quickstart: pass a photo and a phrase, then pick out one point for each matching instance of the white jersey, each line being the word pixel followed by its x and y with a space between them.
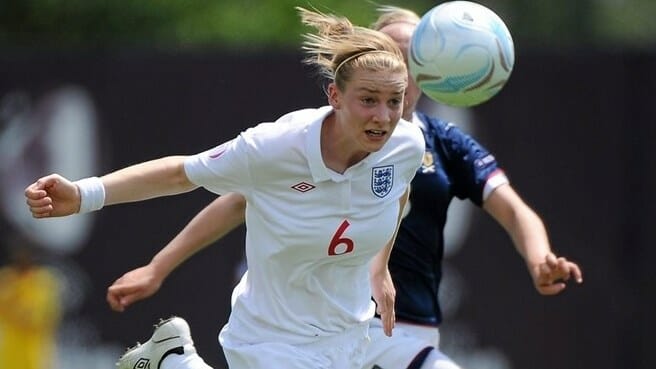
pixel 311 232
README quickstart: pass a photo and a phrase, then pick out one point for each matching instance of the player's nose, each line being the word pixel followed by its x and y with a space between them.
pixel 383 115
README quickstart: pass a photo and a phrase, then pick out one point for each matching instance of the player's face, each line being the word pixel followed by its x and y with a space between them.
pixel 370 107
pixel 401 32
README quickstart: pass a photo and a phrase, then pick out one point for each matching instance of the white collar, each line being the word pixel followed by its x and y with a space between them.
pixel 418 122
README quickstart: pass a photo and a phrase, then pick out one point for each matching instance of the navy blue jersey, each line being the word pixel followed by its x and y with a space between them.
pixel 454 165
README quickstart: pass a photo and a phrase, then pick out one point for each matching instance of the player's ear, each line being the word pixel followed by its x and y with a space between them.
pixel 334 96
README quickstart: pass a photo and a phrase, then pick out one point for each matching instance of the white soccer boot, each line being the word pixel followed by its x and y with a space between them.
pixel 171 336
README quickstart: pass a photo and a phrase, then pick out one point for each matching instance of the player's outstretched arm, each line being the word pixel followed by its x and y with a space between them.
pixel 212 223
pixel 56 196
pixel 527 231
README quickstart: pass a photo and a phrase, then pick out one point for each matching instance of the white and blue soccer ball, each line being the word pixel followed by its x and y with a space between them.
pixel 461 53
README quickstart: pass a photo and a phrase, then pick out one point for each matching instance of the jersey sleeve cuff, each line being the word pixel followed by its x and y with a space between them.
pixel 496 179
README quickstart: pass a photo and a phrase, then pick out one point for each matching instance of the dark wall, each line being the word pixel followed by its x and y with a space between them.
pixel 573 131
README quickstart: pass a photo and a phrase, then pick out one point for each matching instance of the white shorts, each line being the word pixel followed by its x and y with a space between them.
pixel 410 346
pixel 342 351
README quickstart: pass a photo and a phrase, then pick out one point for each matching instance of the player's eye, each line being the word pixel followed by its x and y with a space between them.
pixel 396 102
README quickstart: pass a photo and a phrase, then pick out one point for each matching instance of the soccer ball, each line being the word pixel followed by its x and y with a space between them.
pixel 461 53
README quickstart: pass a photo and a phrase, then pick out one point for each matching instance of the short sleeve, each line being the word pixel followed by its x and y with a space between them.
pixel 221 169
pixel 469 165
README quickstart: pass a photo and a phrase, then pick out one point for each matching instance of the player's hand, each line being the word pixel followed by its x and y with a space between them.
pixel 550 276
pixel 133 286
pixel 384 294
pixel 52 196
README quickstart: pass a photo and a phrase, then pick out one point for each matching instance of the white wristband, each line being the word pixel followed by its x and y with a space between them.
pixel 92 194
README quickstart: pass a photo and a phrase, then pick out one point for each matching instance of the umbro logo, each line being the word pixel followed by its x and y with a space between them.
pixel 142 363
pixel 303 187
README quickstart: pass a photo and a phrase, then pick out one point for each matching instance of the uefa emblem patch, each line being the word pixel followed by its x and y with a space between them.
pixel 382 179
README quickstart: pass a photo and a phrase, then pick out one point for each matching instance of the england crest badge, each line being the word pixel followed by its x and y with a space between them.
pixel 382 179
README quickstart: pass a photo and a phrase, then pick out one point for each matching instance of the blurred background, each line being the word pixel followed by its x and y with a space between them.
pixel 89 86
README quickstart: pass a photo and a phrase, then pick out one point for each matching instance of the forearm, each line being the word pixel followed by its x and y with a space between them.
pixel 529 236
pixel 521 223
pixel 381 260
pixel 155 178
pixel 530 239
pixel 212 223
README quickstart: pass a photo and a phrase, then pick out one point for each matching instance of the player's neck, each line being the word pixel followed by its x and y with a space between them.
pixel 338 154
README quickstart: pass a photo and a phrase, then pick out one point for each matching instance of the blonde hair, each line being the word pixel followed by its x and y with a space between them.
pixel 338 48
pixel 389 14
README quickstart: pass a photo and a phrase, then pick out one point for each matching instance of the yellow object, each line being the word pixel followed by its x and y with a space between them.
pixel 29 317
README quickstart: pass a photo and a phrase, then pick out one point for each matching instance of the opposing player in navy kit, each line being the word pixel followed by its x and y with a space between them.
pixel 324 188
pixel 454 165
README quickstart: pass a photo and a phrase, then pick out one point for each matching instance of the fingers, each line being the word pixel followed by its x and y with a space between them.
pixel 558 268
pixel 133 286
pixel 551 261
pixel 387 315
pixel 120 297
pixel 42 184
pixel 37 199
pixel 565 270
pixel 551 289
pixel 554 272
pixel 33 193
pixel 388 319
pixel 576 272
pixel 114 300
pixel 40 208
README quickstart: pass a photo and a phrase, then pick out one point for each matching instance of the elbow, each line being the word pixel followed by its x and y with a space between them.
pixel 179 180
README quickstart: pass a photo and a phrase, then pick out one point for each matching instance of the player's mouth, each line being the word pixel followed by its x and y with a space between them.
pixel 375 133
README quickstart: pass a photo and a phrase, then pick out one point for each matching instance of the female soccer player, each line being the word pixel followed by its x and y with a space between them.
pixel 324 190
pixel 454 165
